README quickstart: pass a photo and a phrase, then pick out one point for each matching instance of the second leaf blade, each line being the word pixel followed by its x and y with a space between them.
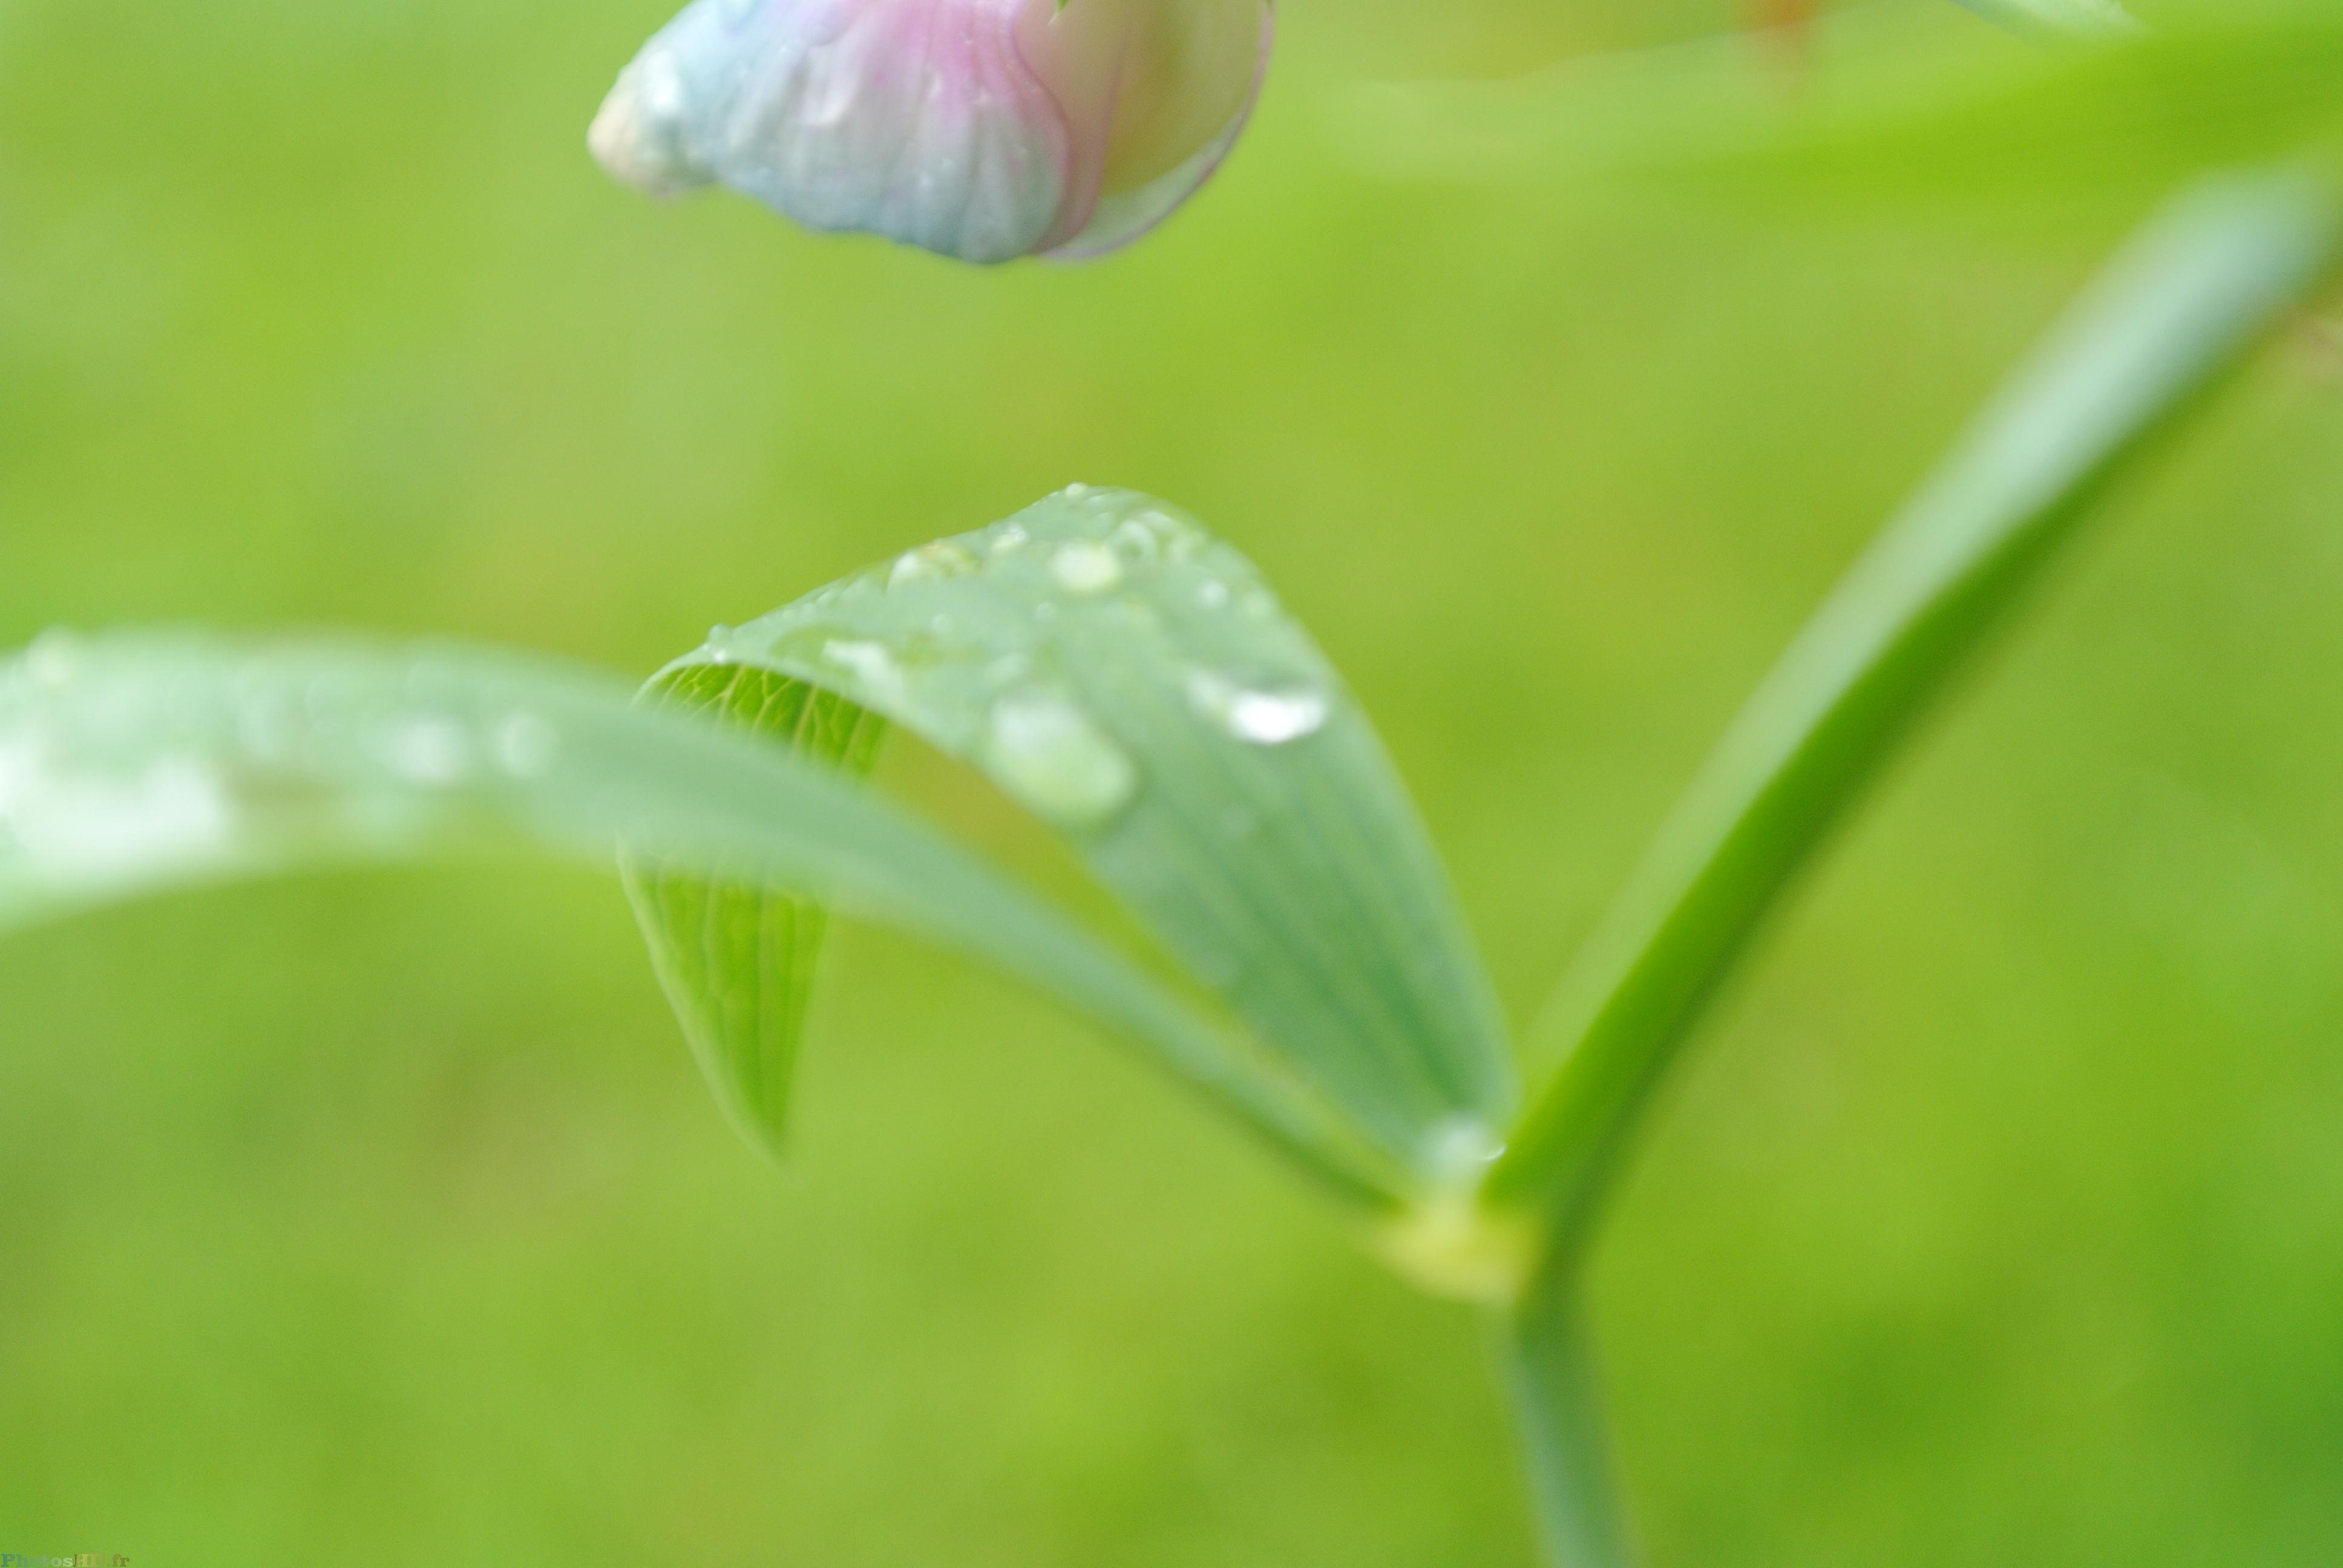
pixel 737 957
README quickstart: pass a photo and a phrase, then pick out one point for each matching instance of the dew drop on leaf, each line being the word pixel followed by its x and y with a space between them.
pixel 426 750
pixel 1052 756
pixel 871 663
pixel 1085 567
pixel 525 744
pixel 942 559
pixel 1258 715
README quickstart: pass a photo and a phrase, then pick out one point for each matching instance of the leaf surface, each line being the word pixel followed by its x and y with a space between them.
pixel 1132 680
pixel 1905 111
pixel 129 764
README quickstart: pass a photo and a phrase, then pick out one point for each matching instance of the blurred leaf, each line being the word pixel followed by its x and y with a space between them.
pixel 737 957
pixel 2205 281
pixel 2072 18
pixel 1131 681
pixel 128 764
pixel 1893 109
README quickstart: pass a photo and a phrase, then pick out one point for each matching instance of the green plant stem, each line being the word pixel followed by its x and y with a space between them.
pixel 2206 280
pixel 2204 283
pixel 1549 1371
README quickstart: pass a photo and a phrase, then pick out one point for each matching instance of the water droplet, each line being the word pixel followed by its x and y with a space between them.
pixel 942 559
pixel 1259 714
pixel 872 663
pixel 1008 538
pixel 1077 492
pixel 1459 1148
pixel 428 749
pixel 1212 594
pixel 173 814
pixel 1049 753
pixel 525 744
pixel 1085 567
pixel 1136 541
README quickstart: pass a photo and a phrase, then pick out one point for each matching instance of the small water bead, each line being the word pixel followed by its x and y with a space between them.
pixel 1459 1148
pixel 525 744
pixel 1212 594
pixel 1136 541
pixel 942 559
pixel 428 749
pixel 1258 715
pixel 1052 756
pixel 1085 567
pixel 1009 539
pixel 871 663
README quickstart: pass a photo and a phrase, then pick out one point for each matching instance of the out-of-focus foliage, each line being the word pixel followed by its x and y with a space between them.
pixel 1891 108
pixel 384 1217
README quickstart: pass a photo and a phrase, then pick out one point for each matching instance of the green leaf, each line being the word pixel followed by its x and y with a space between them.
pixel 1133 681
pixel 129 764
pixel 1902 111
pixel 737 957
pixel 2063 18
pixel 2205 281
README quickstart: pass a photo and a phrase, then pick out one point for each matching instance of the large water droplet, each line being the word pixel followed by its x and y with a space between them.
pixel 1258 715
pixel 173 814
pixel 1050 755
pixel 1085 567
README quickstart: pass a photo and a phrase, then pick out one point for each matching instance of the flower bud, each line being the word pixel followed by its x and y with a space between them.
pixel 983 129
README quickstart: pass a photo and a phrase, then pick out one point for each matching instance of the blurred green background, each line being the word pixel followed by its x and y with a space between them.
pixel 383 1219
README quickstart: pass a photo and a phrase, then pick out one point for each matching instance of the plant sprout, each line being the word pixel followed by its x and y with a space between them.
pixel 1130 679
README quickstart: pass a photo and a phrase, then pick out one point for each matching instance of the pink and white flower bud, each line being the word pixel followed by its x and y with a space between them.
pixel 983 129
